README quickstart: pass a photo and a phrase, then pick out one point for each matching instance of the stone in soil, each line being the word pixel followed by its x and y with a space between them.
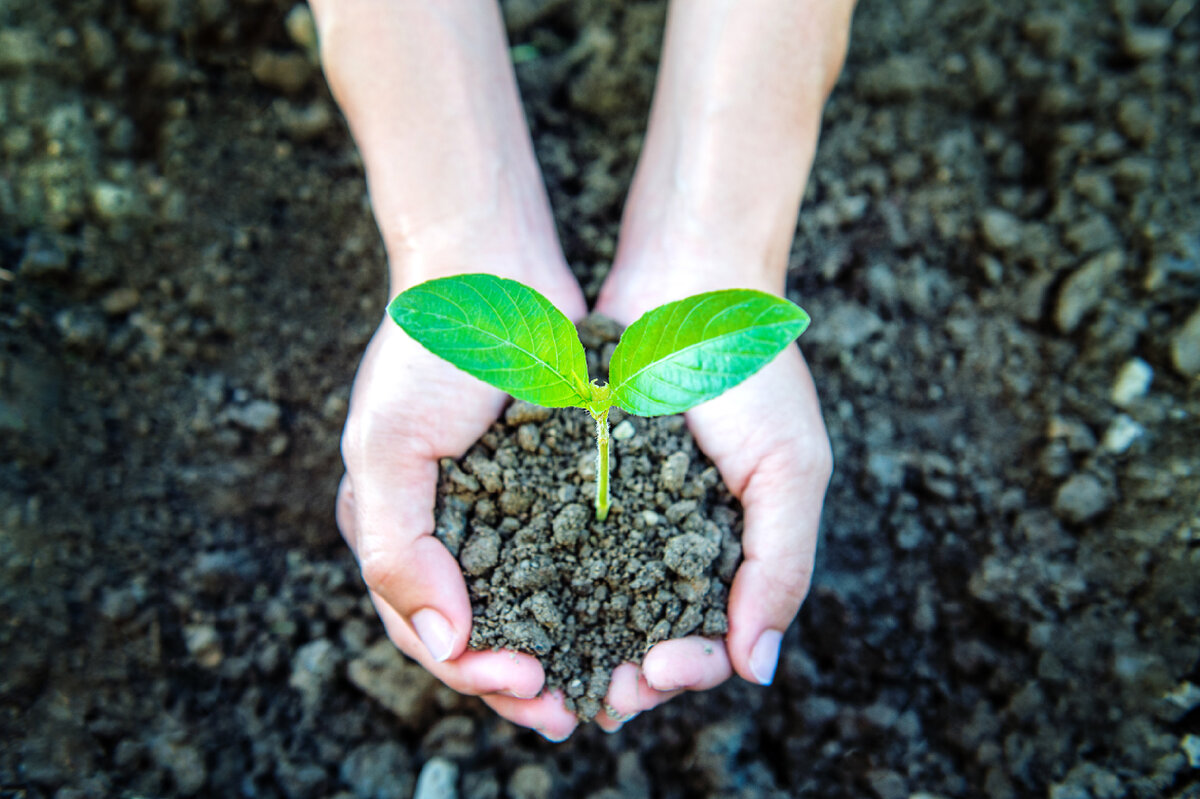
pixel 1185 347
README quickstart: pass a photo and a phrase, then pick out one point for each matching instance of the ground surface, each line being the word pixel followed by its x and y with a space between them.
pixel 1000 248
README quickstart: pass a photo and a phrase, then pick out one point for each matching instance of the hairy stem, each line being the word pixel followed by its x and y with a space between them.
pixel 602 451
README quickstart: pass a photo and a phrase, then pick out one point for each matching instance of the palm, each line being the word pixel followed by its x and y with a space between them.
pixel 768 441
pixel 405 393
pixel 408 410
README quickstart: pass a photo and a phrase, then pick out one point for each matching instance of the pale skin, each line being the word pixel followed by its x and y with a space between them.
pixel 431 99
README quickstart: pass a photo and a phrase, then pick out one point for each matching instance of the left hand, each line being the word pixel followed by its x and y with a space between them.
pixel 768 441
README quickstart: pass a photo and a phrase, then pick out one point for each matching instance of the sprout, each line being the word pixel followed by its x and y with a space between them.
pixel 673 358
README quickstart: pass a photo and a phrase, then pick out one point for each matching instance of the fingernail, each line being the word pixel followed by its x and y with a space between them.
pixel 554 740
pixel 659 682
pixel 516 695
pixel 764 657
pixel 435 632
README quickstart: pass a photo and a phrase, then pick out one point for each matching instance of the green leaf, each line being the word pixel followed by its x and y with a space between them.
pixel 500 331
pixel 684 353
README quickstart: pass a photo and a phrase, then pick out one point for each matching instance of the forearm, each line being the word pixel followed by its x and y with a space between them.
pixel 429 93
pixel 732 134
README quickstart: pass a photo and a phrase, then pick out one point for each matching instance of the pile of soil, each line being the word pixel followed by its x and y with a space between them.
pixel 1000 250
pixel 545 577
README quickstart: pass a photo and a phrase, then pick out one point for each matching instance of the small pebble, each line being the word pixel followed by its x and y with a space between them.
pixel 521 412
pixel 1093 234
pixel 184 761
pixel 531 781
pixel 1083 290
pixel 529 437
pixel 1142 44
pixel 514 503
pixel 570 525
pixel 1185 347
pixel 1081 498
pixel 313 666
pixel 438 780
pixel 1136 120
pixel 21 48
pixel 1191 749
pixel 481 552
pixel 674 471
pixel 624 431
pixel 1132 382
pixel 301 28
pixel 113 203
pixel 304 123
pixel 379 769
pixel 203 644
pixel 1121 434
pixel 120 301
pixel 286 72
pixel 43 258
pixel 1001 230
pixel 257 415
pixel 689 555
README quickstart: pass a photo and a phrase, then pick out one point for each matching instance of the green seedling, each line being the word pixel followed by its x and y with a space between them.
pixel 668 361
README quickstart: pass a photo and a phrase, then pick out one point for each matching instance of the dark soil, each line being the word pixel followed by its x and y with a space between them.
pixel 545 577
pixel 1000 249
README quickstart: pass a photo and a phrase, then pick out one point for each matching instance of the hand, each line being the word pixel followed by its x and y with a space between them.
pixel 398 428
pixel 769 443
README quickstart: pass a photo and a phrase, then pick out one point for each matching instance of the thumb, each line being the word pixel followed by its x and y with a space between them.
pixel 401 562
pixel 782 501
pixel 768 440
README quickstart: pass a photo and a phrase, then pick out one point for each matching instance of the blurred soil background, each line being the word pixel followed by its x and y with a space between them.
pixel 1000 247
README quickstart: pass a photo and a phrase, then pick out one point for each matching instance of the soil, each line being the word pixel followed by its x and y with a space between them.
pixel 584 596
pixel 1000 249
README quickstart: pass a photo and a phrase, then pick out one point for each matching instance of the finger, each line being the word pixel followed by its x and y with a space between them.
pixel 547 714
pixel 692 663
pixel 669 668
pixel 402 563
pixel 782 498
pixel 769 443
pixel 473 672
pixel 608 723
pixel 628 695
pixel 344 510
pixel 783 510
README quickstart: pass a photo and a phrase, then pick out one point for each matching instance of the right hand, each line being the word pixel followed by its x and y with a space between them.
pixel 408 409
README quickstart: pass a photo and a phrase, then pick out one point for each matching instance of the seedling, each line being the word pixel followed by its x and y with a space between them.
pixel 668 361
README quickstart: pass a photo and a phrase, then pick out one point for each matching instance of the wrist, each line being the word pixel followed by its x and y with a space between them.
pixel 537 263
pixel 668 267
pixel 508 242
pixel 728 150
pixel 429 93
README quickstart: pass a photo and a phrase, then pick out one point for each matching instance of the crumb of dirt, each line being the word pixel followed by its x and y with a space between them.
pixel 585 596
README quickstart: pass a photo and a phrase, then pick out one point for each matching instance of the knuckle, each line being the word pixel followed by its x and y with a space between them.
pixel 810 460
pixel 380 570
pixel 457 683
pixel 352 446
pixel 820 460
pixel 786 581
pixel 796 590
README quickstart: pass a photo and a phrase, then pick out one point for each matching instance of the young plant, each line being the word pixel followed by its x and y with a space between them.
pixel 668 361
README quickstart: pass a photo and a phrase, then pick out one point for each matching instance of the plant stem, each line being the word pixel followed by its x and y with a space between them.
pixel 602 450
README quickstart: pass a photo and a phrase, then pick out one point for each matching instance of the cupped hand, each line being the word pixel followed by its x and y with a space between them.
pixel 768 441
pixel 408 409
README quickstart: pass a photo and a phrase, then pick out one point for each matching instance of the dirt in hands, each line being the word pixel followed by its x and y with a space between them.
pixel 547 578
